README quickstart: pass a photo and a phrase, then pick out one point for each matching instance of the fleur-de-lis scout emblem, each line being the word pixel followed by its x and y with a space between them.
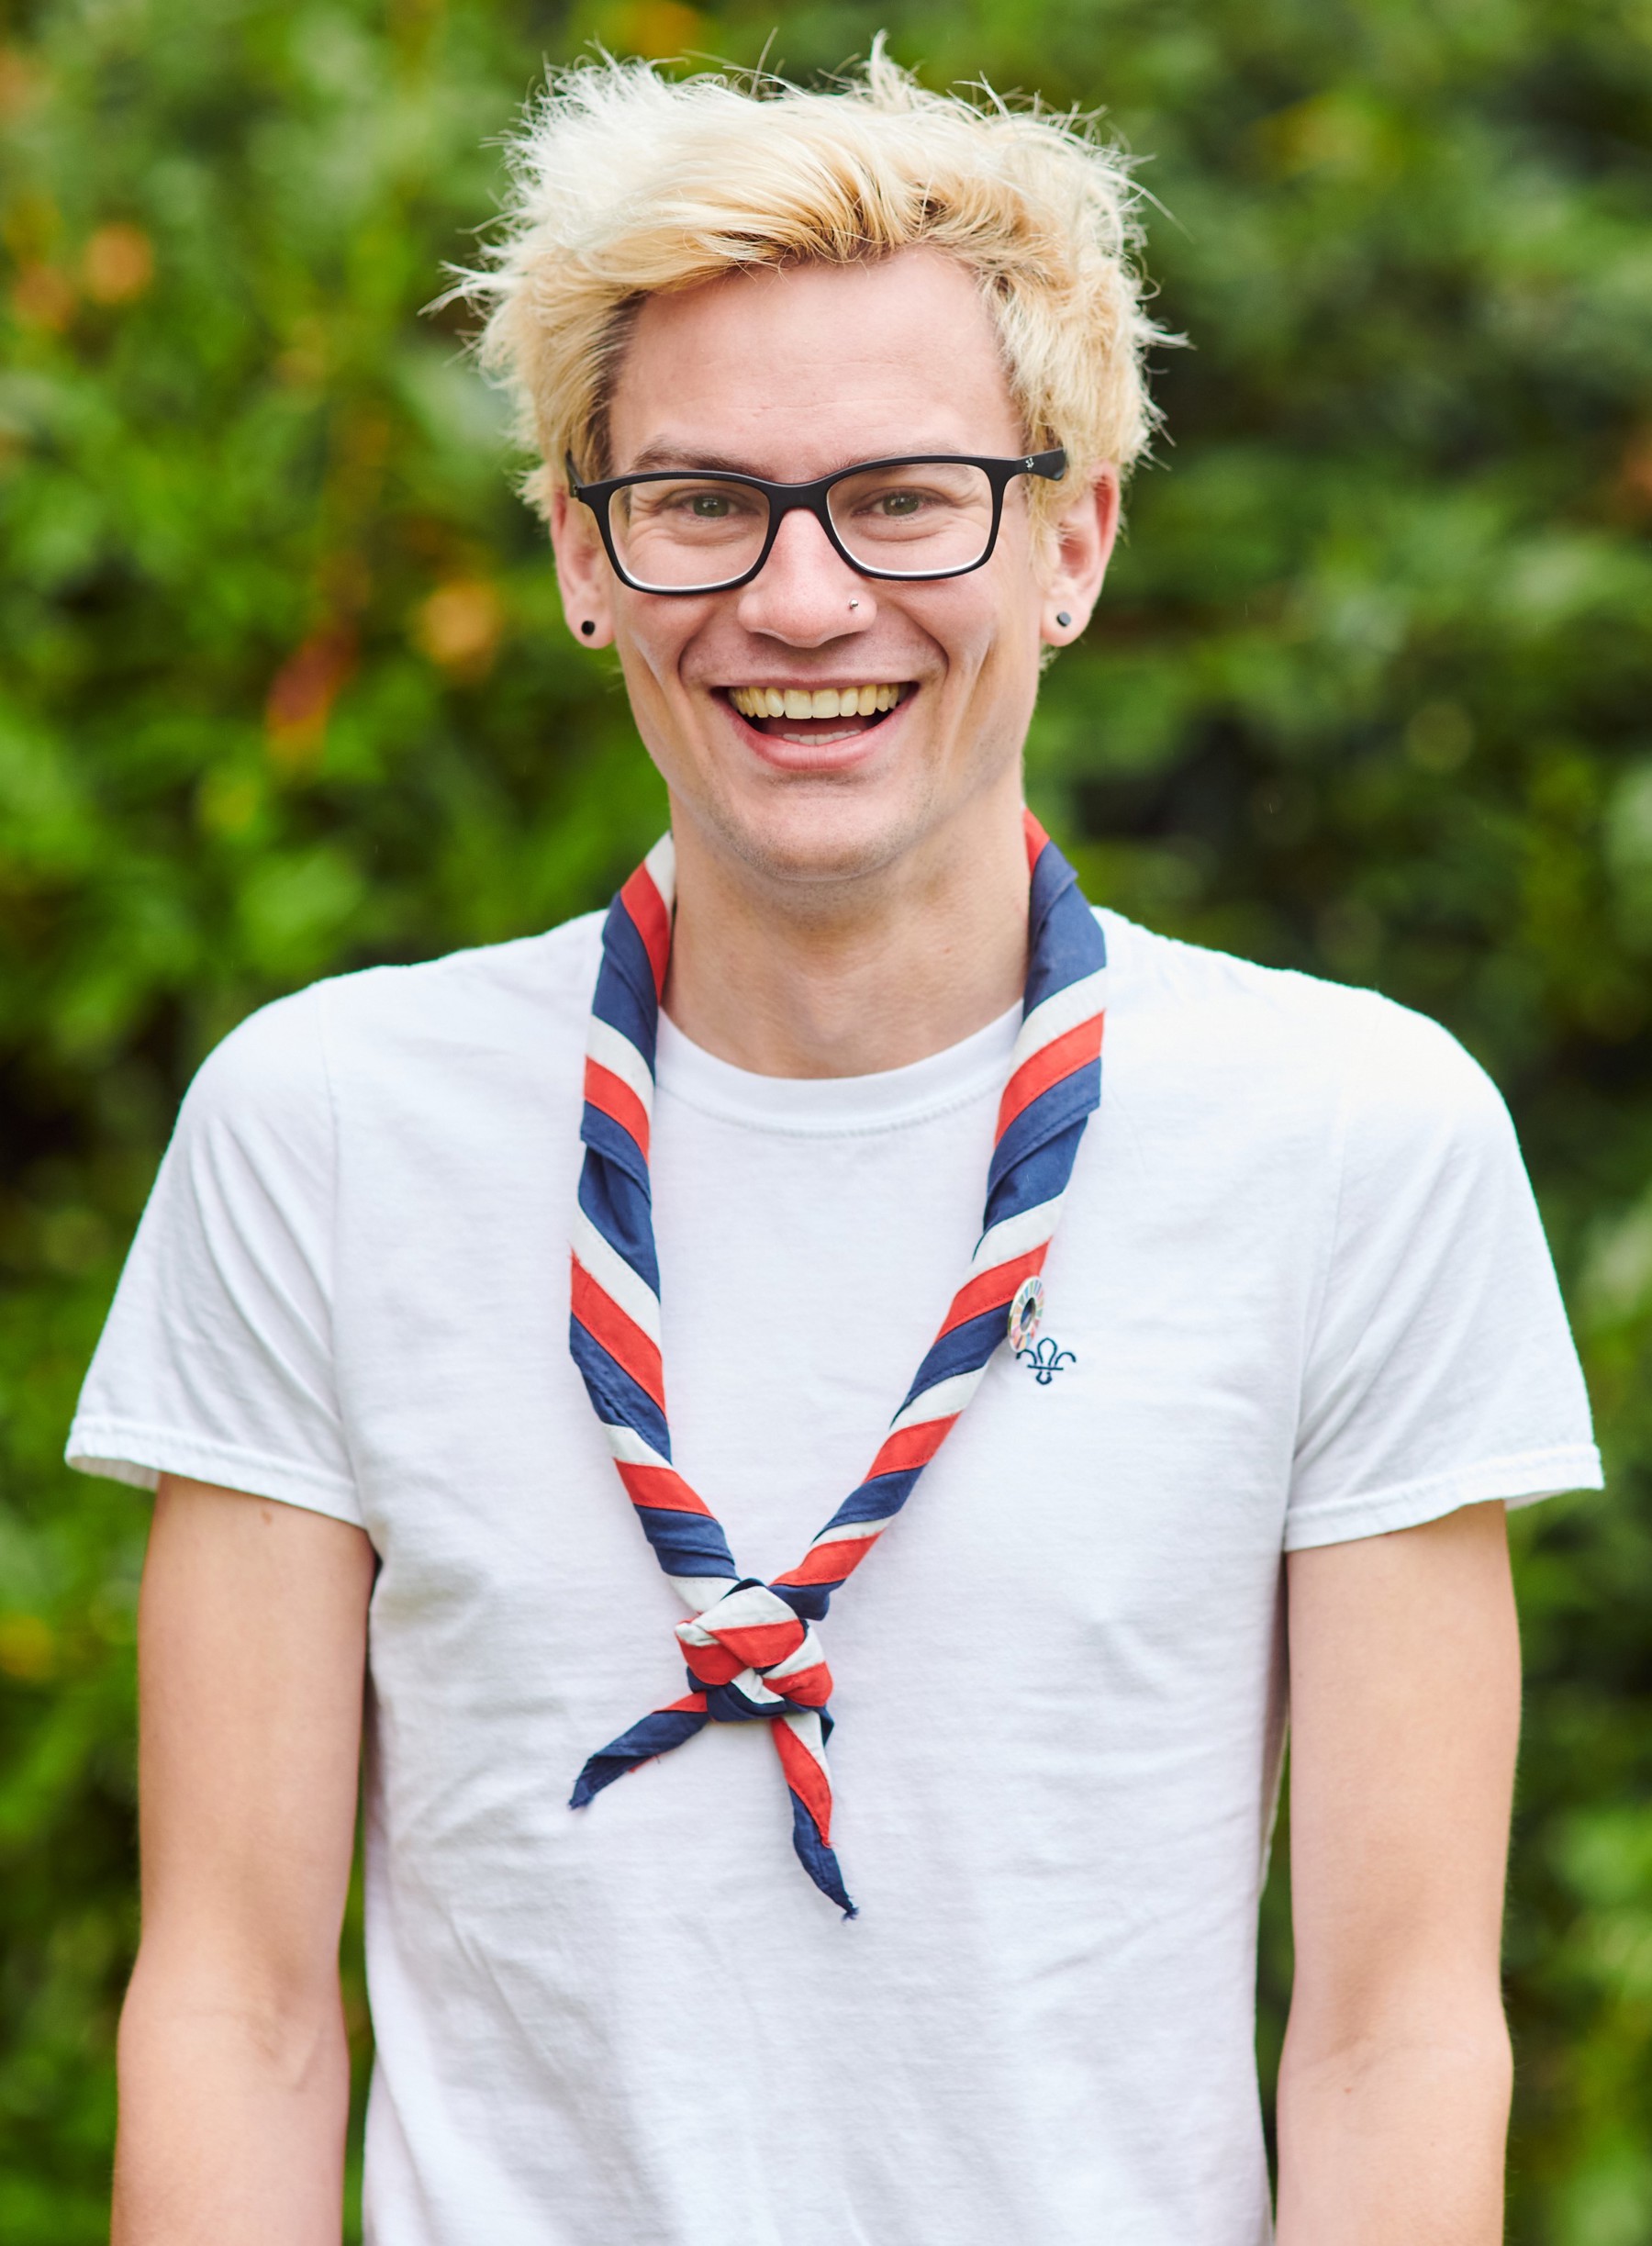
pixel 1046 1361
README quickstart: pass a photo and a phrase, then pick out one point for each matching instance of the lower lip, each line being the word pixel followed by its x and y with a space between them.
pixel 819 755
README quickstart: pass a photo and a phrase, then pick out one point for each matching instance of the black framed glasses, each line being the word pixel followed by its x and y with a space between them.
pixel 921 516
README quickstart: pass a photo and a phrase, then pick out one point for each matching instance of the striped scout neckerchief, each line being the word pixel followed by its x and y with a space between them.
pixel 752 1653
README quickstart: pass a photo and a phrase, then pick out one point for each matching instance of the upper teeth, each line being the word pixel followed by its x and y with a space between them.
pixel 827 702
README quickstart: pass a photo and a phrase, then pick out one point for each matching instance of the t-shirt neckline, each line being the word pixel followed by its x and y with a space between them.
pixel 887 1100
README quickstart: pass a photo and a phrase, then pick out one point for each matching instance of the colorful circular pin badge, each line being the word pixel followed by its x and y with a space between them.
pixel 1026 1312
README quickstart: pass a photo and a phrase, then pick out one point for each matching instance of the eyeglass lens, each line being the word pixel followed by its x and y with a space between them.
pixel 918 520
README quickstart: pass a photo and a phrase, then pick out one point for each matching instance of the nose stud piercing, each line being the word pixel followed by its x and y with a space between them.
pixel 855 604
pixel 587 627
pixel 1063 619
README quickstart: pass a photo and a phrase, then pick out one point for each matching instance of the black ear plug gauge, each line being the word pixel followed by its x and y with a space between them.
pixel 587 627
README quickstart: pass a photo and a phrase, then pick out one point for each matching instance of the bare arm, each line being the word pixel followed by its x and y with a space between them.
pixel 1405 1709
pixel 234 2073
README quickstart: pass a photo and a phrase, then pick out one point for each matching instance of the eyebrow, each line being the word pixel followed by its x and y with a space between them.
pixel 662 454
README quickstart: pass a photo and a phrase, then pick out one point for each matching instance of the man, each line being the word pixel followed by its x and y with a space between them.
pixel 833 395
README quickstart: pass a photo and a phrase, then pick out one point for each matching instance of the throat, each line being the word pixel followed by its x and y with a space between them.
pixel 847 978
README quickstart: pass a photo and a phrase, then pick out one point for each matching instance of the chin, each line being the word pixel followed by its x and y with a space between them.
pixel 809 835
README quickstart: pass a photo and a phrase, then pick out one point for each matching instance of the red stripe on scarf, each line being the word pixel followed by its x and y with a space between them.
pixel 662 1486
pixel 811 1688
pixel 805 1777
pixel 910 1446
pixel 761 1644
pixel 651 920
pixel 614 1098
pixel 993 1289
pixel 1060 1058
pixel 624 1340
pixel 828 1563
pixel 714 1664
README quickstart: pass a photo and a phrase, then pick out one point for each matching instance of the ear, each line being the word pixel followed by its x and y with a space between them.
pixel 1081 544
pixel 582 572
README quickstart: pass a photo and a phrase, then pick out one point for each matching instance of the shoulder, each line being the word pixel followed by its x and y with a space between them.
pixel 284 1063
pixel 496 992
pixel 1273 1038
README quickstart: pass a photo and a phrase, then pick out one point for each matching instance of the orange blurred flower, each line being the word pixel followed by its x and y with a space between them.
pixel 17 81
pixel 118 263
pixel 302 694
pixel 459 626
pixel 43 298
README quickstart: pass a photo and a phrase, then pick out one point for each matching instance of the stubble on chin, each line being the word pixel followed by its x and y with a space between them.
pixel 819 837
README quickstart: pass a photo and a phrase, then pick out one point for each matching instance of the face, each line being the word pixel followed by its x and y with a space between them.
pixel 792 375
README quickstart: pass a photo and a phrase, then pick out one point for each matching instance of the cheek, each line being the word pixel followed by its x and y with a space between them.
pixel 648 689
pixel 991 628
pixel 967 629
pixel 994 652
pixel 651 647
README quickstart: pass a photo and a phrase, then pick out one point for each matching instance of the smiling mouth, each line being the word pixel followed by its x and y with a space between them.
pixel 817 716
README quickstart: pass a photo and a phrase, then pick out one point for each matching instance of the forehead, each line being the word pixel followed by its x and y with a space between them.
pixel 795 372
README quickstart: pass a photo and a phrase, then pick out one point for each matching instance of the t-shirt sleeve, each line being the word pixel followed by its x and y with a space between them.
pixel 1440 1369
pixel 217 1360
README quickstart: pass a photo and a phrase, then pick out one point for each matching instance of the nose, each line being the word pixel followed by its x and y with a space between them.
pixel 802 593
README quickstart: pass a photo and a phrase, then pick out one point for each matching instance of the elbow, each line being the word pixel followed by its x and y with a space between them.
pixel 1442 2051
pixel 288 2033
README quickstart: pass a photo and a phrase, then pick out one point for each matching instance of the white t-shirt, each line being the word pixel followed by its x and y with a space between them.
pixel 1299 1294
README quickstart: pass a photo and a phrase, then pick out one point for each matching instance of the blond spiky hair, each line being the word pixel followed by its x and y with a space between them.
pixel 628 183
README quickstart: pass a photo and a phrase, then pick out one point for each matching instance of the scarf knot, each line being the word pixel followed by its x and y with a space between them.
pixel 752 1657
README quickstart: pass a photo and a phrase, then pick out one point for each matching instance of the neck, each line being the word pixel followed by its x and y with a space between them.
pixel 853 976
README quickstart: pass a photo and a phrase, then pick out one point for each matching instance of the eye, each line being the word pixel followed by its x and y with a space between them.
pixel 899 503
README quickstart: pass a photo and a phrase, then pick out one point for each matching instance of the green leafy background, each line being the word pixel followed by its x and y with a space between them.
pixel 283 689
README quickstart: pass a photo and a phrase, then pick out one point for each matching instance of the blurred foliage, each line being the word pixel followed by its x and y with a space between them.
pixel 285 689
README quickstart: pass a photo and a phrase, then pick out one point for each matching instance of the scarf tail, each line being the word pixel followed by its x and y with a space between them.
pixel 655 1735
